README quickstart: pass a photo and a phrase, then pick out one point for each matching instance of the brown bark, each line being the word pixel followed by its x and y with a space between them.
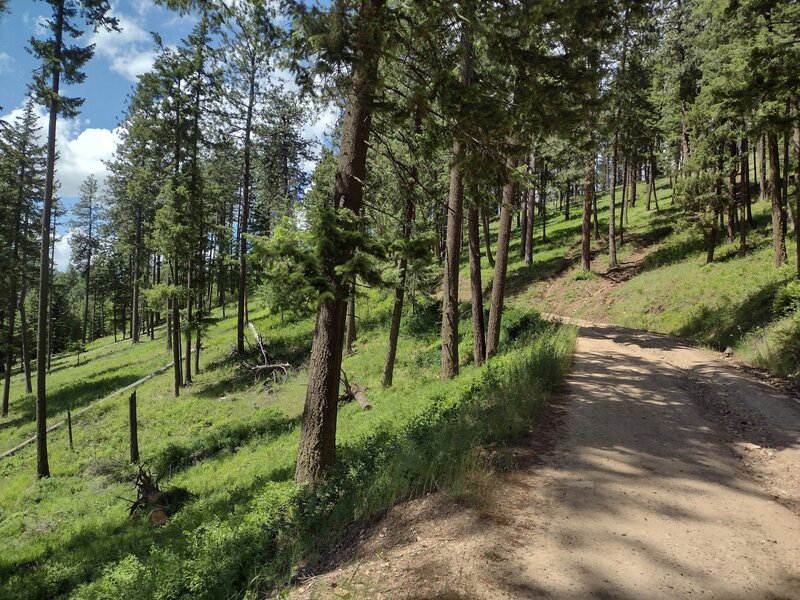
pixel 42 463
pixel 455 208
pixel 26 344
pixel 245 210
pixel 318 432
pixel 797 180
pixel 476 287
pixel 134 428
pixel 778 215
pixel 487 239
pixel 612 234
pixel 762 168
pixel 501 267
pixel 588 197
pixel 530 209
pixel 350 338
pixel 136 260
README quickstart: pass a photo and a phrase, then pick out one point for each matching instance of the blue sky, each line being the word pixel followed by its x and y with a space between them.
pixel 85 142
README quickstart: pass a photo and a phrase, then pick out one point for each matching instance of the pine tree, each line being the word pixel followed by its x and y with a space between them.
pixel 83 241
pixel 61 63
pixel 21 169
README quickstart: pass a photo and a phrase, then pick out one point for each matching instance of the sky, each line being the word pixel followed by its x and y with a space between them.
pixel 86 141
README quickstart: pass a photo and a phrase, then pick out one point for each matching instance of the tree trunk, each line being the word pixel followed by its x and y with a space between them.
pixel 399 291
pixel 50 294
pixel 622 202
pixel 134 428
pixel 137 258
pixel 588 197
pixel 612 234
pixel 711 244
pixel 778 225
pixel 501 267
pixel 26 343
pixel 476 287
pixel 245 214
pixel 523 229
pixel 175 326
pixel 543 202
pixel 187 356
pixel 455 209
pixel 11 316
pixel 350 337
pixel 318 432
pixel 762 168
pixel 42 463
pixel 487 239
pixel 530 208
pixel 797 180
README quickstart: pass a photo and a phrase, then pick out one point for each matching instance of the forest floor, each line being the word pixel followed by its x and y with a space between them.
pixel 661 471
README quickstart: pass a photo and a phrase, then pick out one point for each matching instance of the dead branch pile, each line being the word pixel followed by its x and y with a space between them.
pixel 277 372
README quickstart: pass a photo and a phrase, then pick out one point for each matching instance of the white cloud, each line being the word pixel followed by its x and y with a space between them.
pixel 5 62
pixel 62 252
pixel 129 52
pixel 318 130
pixel 81 150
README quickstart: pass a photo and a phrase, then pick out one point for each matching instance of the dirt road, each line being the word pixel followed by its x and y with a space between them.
pixel 662 471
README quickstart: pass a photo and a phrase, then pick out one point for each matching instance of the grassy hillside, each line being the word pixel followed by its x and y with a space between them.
pixel 231 446
pixel 665 285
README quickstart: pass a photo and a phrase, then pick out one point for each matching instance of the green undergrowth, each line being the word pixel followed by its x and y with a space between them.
pixel 228 447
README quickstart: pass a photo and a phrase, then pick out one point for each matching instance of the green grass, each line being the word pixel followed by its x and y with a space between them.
pixel 232 446
pixel 726 303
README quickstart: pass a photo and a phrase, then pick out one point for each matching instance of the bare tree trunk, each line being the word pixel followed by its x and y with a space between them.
pixel 530 209
pixel 476 287
pixel 137 259
pixel 26 344
pixel 175 326
pixel 625 192
pixel 42 463
pixel 612 234
pixel 318 432
pixel 588 197
pixel 350 337
pixel 455 209
pixel 187 365
pixel 797 179
pixel 487 239
pixel 762 168
pixel 501 267
pixel 245 212
pixel 778 225
pixel 523 229
pixel 11 316
pixel 711 244
pixel 400 289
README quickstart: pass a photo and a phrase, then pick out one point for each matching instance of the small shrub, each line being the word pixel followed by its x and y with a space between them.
pixel 787 300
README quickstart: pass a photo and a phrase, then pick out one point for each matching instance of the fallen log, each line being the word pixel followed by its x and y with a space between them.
pixel 354 392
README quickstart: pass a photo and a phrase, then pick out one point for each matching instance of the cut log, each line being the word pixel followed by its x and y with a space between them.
pixel 157 517
pixel 354 392
pixel 360 396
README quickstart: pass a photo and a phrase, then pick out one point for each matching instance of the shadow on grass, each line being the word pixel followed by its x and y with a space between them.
pixel 74 395
pixel 725 325
pixel 252 534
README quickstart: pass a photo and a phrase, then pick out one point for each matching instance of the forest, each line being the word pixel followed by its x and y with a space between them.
pixel 261 342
